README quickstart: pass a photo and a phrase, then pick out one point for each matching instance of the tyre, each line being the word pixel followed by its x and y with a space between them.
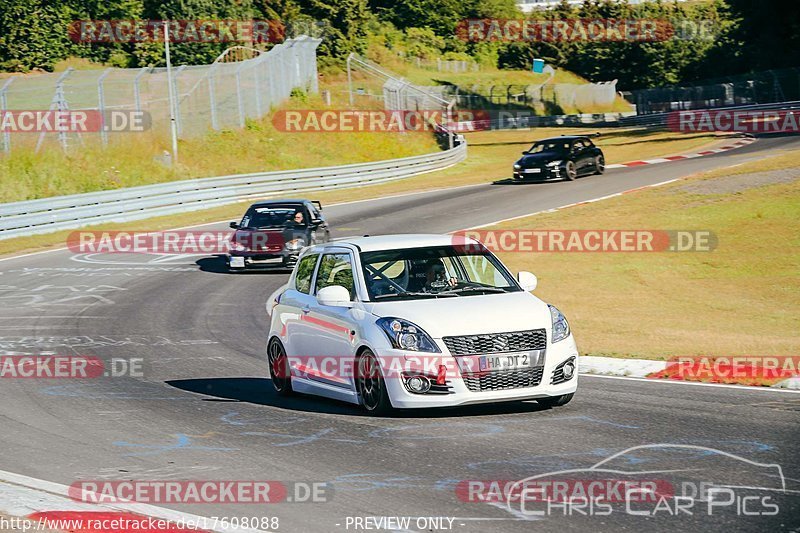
pixel 279 371
pixel 371 386
pixel 570 171
pixel 555 401
pixel 599 164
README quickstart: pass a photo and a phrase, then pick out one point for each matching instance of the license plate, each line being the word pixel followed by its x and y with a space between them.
pixel 488 363
pixel 533 170
pixel 237 262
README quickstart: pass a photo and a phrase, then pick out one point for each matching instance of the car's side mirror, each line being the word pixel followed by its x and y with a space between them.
pixel 317 221
pixel 527 280
pixel 334 296
pixel 525 152
pixel 234 225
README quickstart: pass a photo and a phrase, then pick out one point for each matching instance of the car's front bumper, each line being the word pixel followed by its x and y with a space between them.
pixel 460 394
pixel 258 259
pixel 539 174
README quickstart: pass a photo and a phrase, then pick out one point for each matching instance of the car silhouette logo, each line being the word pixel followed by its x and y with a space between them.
pixel 500 344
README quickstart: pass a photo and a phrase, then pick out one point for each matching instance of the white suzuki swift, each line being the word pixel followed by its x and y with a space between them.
pixel 416 321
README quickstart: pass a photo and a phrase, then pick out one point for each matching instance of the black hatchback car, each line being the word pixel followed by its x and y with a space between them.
pixel 566 157
pixel 274 232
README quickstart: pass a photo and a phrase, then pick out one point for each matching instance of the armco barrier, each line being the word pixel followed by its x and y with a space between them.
pixel 625 119
pixel 122 205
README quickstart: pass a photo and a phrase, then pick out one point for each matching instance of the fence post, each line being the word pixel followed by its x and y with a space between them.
pixel 59 103
pixel 137 99
pixel 312 57
pixel 350 79
pixel 212 103
pixel 268 67
pixel 101 105
pixel 176 93
pixel 4 107
pixel 257 86
pixel 239 95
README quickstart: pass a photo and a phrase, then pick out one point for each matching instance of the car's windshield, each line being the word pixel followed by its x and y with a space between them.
pixel 550 146
pixel 268 217
pixel 439 271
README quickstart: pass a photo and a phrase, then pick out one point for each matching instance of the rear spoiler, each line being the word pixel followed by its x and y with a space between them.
pixel 595 134
pixel 317 203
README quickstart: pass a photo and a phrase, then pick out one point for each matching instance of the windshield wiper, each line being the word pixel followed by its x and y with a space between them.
pixel 410 294
pixel 475 289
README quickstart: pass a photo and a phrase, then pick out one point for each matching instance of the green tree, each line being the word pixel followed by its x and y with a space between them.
pixel 33 34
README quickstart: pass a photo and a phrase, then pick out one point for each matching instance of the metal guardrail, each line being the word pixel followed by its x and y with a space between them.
pixel 135 203
pixel 655 120
pixel 516 120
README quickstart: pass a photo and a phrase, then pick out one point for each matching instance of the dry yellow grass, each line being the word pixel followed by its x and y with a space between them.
pixel 741 299
pixel 488 160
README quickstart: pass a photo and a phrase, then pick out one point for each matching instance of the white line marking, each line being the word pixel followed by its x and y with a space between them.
pixel 39 317
pixel 616 165
pixel 695 383
pixel 40 493
pixel 399 195
pixel 33 253
pixel 553 209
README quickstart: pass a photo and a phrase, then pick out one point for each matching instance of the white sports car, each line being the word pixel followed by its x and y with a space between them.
pixel 409 321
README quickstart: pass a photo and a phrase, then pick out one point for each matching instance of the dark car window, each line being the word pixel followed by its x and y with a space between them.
pixel 550 146
pixel 305 269
pixel 336 269
pixel 315 215
pixel 267 217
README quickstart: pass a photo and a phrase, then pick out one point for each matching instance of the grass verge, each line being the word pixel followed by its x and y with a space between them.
pixel 137 159
pixel 741 299
pixel 490 157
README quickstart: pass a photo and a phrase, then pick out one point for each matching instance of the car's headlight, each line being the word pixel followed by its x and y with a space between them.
pixel 405 335
pixel 295 244
pixel 554 163
pixel 517 166
pixel 560 324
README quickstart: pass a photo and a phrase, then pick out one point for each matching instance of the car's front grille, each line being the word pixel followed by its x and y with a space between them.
pixel 503 379
pixel 515 341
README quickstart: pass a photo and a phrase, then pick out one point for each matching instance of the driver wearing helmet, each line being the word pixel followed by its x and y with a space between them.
pixel 436 276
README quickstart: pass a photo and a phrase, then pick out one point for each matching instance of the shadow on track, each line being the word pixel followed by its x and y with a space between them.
pixel 511 181
pixel 218 265
pixel 259 391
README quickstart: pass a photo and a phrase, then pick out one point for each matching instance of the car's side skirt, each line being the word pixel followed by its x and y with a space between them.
pixel 316 388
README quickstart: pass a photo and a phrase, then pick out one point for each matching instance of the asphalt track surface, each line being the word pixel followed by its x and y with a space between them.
pixel 205 410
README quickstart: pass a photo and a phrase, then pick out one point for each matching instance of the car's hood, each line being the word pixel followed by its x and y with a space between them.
pixel 260 239
pixel 540 159
pixel 469 315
